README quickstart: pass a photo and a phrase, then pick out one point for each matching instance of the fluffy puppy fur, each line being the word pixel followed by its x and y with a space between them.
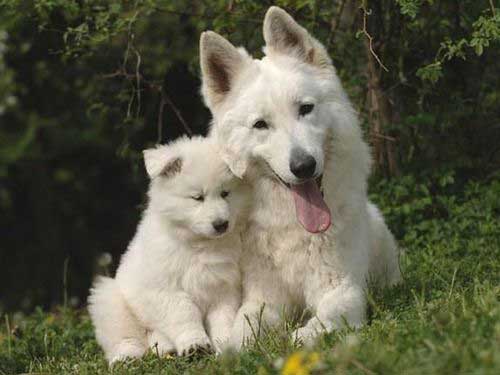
pixel 178 285
pixel 288 127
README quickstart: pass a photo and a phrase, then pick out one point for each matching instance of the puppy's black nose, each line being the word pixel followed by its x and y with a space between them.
pixel 220 226
pixel 302 164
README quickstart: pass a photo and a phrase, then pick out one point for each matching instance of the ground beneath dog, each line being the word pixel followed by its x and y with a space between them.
pixel 444 318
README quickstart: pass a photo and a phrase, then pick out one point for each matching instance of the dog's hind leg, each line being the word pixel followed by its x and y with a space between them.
pixel 384 252
pixel 117 330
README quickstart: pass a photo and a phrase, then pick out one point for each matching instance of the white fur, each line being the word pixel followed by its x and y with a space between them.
pixel 178 285
pixel 283 265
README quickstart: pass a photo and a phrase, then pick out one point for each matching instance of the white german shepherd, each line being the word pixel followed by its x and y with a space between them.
pixel 289 129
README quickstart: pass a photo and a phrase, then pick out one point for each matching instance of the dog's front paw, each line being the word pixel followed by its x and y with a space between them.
pixel 192 343
pixel 220 344
pixel 305 335
pixel 160 344
pixel 241 335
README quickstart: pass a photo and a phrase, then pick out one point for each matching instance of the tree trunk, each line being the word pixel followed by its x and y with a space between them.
pixel 379 116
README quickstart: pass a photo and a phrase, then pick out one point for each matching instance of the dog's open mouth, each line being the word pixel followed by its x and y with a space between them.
pixel 310 207
pixel 318 180
pixel 286 184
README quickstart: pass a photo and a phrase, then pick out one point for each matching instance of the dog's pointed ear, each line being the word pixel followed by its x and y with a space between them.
pixel 160 161
pixel 220 64
pixel 232 148
pixel 285 36
pixel 237 163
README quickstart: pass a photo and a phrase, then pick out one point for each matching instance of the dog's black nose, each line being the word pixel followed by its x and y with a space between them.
pixel 302 164
pixel 220 226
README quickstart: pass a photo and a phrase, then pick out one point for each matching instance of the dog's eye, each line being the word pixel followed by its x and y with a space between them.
pixel 224 193
pixel 261 124
pixel 199 197
pixel 305 109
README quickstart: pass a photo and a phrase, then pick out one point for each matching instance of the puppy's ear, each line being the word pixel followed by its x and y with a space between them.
pixel 285 36
pixel 159 161
pixel 220 64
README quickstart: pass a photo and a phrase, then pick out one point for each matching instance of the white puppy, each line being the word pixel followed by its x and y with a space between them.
pixel 287 126
pixel 179 278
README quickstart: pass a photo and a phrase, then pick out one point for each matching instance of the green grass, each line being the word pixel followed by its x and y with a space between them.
pixel 444 318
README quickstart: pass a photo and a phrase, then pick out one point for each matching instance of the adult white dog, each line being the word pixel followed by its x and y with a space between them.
pixel 288 127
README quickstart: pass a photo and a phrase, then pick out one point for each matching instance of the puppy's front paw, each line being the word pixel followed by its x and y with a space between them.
pixel 127 349
pixel 192 343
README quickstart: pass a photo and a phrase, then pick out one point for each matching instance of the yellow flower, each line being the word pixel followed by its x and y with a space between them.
pixel 300 363
pixel 313 359
pixel 50 319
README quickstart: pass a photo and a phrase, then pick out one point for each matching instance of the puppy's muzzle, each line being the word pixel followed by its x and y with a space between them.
pixel 220 226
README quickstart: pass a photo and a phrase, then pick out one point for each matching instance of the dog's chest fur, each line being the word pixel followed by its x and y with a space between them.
pixel 288 249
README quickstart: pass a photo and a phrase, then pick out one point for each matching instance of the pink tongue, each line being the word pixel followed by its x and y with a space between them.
pixel 311 209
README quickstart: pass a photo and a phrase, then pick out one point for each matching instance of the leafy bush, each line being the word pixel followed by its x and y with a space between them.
pixel 427 208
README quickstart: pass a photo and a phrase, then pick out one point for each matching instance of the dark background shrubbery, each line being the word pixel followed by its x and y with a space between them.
pixel 85 86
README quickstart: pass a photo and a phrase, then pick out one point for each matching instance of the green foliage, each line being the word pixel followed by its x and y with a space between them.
pixel 6 79
pixel 423 210
pixel 431 72
pixel 484 31
pixel 409 7
pixel 443 319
